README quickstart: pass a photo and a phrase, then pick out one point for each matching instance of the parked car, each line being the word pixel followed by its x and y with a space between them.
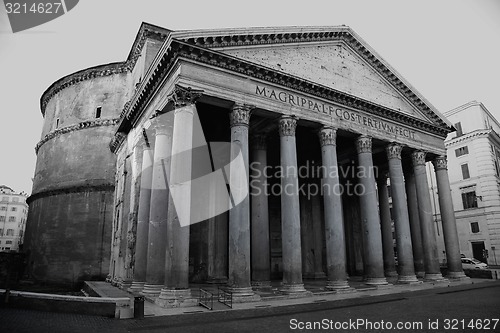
pixel 468 263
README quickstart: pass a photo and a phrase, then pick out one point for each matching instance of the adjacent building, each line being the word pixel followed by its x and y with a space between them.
pixel 239 156
pixel 13 214
pixel 474 169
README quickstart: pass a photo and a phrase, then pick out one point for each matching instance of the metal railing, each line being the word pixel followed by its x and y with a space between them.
pixel 225 296
pixel 206 299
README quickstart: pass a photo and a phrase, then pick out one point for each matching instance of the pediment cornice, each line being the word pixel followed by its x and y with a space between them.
pixel 176 49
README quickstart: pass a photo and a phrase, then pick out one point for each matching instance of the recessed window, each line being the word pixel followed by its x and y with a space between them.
pixel 3 208
pixel 10 232
pixel 469 200
pixel 12 219
pixel 98 112
pixel 461 151
pixel 465 171
pixel 13 209
pixel 57 123
pixel 474 227
pixel 8 242
pixel 2 218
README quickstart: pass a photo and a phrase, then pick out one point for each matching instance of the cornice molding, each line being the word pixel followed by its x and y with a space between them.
pixel 145 32
pixel 178 49
pixel 467 136
pixel 76 127
pixel 106 187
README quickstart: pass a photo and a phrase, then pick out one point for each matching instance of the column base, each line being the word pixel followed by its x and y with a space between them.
pixel 176 298
pixel 420 274
pixel 296 290
pixel 339 286
pixel 372 281
pixel 256 285
pixel 125 284
pixel 136 287
pixel 243 295
pixel 457 276
pixel 434 277
pixel 391 273
pixel 152 290
pixel 408 279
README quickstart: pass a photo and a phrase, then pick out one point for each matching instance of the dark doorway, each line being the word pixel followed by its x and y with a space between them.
pixel 478 251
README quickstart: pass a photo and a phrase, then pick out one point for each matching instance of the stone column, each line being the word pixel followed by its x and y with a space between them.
pixel 157 231
pixel 239 215
pixel 431 261
pixel 406 268
pixel 290 209
pixel 386 226
pixel 261 261
pixel 416 234
pixel 334 217
pixel 450 235
pixel 176 291
pixel 370 219
pixel 141 243
pixel 217 249
pixel 317 219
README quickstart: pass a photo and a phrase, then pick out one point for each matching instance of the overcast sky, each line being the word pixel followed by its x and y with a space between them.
pixel 448 50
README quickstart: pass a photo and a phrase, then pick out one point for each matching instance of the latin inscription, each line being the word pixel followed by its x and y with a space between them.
pixel 331 110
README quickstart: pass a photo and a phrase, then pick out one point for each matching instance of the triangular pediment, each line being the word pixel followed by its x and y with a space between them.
pixel 331 64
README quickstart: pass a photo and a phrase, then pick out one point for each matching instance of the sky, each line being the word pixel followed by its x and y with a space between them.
pixel 449 50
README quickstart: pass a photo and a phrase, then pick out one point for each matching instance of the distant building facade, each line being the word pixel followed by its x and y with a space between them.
pixel 474 169
pixel 13 214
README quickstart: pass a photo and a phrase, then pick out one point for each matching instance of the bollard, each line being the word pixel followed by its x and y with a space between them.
pixel 139 307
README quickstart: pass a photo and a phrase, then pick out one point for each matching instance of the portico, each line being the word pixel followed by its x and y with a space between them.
pixel 304 189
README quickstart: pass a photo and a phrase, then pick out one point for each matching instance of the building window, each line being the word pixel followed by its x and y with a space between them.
pixel 57 123
pixel 8 242
pixel 10 232
pixel 458 127
pixel 12 219
pixel 15 199
pixel 469 199
pixel 462 151
pixel 3 208
pixel 98 112
pixel 5 199
pixel 465 171
pixel 2 218
pixel 474 227
pixel 13 209
pixel 1 232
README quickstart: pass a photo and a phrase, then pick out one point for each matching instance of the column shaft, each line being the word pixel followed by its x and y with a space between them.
pixel 334 217
pixel 406 268
pixel 318 236
pixel 239 215
pixel 386 227
pixel 370 219
pixel 261 261
pixel 431 261
pixel 290 208
pixel 450 235
pixel 157 232
pixel 416 234
pixel 141 243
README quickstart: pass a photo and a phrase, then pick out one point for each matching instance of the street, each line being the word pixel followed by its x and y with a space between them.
pixel 466 308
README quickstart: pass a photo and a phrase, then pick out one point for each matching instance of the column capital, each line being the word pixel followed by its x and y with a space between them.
pixel 440 163
pixel 394 151
pixel 327 136
pixel 258 142
pixel 364 144
pixel 418 157
pixel 287 126
pixel 182 96
pixel 240 115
